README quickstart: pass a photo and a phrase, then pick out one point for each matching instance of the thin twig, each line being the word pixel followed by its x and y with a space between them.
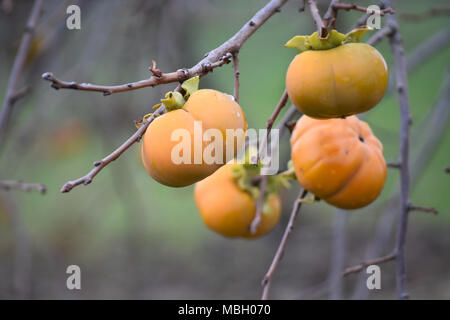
pixel 263 178
pixel 99 165
pixel 380 35
pixel 423 209
pixel 214 58
pixel 359 267
pixel 20 185
pixel 403 99
pixel 394 165
pixel 259 205
pixel 279 254
pixel 19 62
pixel 430 13
pixel 321 30
pixel 236 76
pixel 281 104
pixel 330 17
pixel 352 6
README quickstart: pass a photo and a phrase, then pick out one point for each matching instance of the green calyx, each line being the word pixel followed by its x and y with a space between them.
pixel 175 100
pixel 333 40
pixel 247 177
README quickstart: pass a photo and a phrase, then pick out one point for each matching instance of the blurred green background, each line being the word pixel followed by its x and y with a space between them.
pixel 134 238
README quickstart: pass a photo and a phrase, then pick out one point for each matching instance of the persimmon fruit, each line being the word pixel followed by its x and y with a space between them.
pixel 215 110
pixel 229 210
pixel 335 79
pixel 338 160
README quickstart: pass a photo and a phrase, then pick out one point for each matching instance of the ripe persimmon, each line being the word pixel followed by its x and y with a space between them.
pixel 229 209
pixel 335 77
pixel 338 160
pixel 215 110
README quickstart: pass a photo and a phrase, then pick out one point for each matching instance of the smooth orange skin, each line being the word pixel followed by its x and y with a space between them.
pixel 338 82
pixel 228 210
pixel 333 163
pixel 216 110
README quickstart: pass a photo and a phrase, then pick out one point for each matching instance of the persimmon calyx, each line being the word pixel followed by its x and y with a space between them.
pixel 174 100
pixel 332 40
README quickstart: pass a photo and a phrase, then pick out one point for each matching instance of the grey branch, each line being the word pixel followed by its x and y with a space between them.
pixel 279 254
pixel 215 58
pixel 20 185
pixel 403 100
pixel 361 266
pixel 12 93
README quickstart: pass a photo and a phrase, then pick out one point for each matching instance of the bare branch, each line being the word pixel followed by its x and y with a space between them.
pixel 394 165
pixel 361 266
pixel 99 165
pixel 236 76
pixel 321 30
pixel 279 254
pixel 213 59
pixel 403 99
pixel 19 62
pixel 329 19
pixel 423 209
pixel 352 6
pixel 281 104
pixel 377 37
pixel 430 13
pixel 259 205
pixel 20 185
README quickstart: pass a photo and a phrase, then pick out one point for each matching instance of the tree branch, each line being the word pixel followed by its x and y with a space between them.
pixel 352 6
pixel 359 267
pixel 403 99
pixel 215 58
pixel 20 185
pixel 423 209
pixel 19 62
pixel 321 30
pixel 279 254
pixel 236 76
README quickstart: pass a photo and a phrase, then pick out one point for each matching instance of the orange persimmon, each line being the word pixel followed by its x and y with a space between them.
pixel 215 110
pixel 333 80
pixel 338 160
pixel 229 210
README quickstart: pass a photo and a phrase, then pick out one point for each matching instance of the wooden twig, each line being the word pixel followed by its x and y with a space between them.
pixel 281 104
pixel 99 165
pixel 361 266
pixel 11 95
pixel 236 76
pixel 259 205
pixel 20 185
pixel 214 58
pixel 321 30
pixel 380 35
pixel 263 179
pixel 423 209
pixel 403 100
pixel 352 6
pixel 279 254
pixel 430 13
pixel 330 17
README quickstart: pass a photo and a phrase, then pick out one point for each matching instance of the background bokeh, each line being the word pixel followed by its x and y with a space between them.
pixel 136 239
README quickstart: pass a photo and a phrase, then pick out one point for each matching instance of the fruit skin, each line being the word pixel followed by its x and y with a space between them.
pixel 338 160
pixel 343 81
pixel 216 110
pixel 228 210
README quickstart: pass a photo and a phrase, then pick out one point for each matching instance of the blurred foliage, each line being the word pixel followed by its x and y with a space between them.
pixel 134 238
